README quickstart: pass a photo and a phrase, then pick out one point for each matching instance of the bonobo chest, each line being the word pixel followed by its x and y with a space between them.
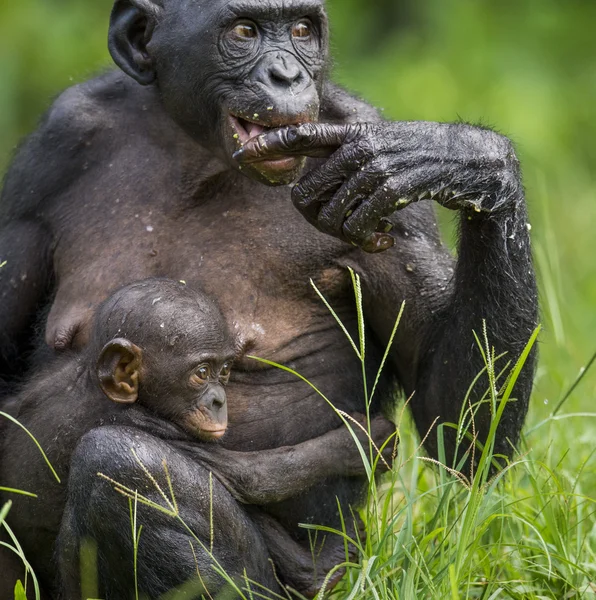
pixel 249 247
pixel 245 245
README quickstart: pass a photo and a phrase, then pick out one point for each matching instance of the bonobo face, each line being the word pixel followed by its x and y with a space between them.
pixel 228 70
pixel 166 347
pixel 189 389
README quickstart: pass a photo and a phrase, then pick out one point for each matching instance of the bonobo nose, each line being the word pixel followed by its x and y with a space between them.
pixel 215 398
pixel 284 73
pixel 281 71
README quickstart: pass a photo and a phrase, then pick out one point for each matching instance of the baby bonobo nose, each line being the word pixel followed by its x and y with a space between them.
pixel 215 399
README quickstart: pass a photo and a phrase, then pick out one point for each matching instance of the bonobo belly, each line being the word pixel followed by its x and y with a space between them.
pixel 270 408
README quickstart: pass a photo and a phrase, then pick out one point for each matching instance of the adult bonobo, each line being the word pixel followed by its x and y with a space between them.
pixel 161 352
pixel 131 175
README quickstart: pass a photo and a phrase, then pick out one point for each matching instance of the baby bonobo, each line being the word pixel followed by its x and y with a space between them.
pixel 181 363
pixel 148 390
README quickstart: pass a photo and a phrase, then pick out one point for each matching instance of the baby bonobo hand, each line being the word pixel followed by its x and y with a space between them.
pixel 383 435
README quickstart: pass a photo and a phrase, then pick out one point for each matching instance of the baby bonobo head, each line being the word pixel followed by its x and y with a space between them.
pixel 166 347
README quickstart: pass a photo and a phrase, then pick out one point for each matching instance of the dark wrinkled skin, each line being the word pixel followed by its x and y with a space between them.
pixel 131 176
pixel 84 426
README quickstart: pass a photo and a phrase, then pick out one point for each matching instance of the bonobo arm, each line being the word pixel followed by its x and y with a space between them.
pixel 270 476
pixel 24 277
pixel 43 169
pixel 376 170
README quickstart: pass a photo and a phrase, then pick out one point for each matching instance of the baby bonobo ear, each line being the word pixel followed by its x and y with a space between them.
pixel 118 370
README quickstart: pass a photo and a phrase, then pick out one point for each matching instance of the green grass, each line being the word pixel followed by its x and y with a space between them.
pixel 524 531
pixel 526 67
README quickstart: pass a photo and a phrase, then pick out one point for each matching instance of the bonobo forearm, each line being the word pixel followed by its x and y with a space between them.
pixel 377 169
pixel 494 282
pixel 25 269
pixel 270 476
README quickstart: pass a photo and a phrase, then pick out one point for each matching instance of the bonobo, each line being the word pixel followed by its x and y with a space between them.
pixel 132 175
pixel 162 354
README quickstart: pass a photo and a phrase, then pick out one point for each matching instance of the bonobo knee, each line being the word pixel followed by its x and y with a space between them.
pixel 106 451
pixel 188 499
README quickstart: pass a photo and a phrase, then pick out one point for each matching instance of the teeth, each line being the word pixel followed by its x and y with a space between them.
pixel 246 130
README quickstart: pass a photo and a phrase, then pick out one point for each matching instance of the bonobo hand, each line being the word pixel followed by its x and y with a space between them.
pixel 375 169
pixel 380 431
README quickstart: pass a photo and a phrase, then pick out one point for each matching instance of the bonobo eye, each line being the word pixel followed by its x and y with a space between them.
pixel 302 30
pixel 245 30
pixel 202 374
pixel 224 374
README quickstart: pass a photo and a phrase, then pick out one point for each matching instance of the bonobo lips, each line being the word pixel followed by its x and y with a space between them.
pixel 215 434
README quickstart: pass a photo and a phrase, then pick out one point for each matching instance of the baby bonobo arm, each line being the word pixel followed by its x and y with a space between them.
pixel 269 476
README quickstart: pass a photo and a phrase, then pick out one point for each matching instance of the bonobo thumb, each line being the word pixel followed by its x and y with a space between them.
pixel 319 140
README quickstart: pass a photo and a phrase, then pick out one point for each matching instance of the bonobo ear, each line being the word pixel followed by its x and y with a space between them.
pixel 131 26
pixel 118 370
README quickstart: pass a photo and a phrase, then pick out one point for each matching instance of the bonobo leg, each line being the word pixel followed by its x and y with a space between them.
pixel 175 546
pixel 12 570
pixel 306 569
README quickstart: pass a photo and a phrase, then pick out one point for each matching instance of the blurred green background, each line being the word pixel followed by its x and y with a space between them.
pixel 526 67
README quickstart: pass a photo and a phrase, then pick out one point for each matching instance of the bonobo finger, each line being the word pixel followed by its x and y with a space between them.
pixel 320 185
pixel 311 139
pixel 367 227
pixel 383 433
pixel 345 201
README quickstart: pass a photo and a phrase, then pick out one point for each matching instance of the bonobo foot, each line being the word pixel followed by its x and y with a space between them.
pixel 326 559
pixel 306 569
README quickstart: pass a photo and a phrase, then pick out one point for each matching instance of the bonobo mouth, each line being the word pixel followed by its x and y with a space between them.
pixel 244 130
pixel 212 434
pixel 216 434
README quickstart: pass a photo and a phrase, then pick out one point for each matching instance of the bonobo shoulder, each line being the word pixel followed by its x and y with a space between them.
pixel 340 106
pixel 89 107
pixel 114 451
pixel 63 145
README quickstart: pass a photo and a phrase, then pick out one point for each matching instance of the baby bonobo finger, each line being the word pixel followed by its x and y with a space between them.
pixel 382 435
pixel 319 140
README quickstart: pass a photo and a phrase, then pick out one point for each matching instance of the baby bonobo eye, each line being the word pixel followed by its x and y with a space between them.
pixel 201 375
pixel 224 374
pixel 302 29
pixel 245 30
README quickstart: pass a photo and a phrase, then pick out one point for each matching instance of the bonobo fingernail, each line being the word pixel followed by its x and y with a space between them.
pixel 238 154
pixel 378 242
pixel 292 134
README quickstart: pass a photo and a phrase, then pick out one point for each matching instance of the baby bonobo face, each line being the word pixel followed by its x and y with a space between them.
pixel 204 412
pixel 171 353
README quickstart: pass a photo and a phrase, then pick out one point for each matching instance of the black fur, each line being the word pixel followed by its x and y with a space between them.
pixel 131 176
pixel 175 331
